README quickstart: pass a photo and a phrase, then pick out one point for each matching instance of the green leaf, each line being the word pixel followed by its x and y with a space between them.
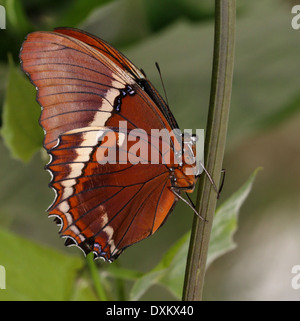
pixel 21 131
pixel 17 18
pixel 144 283
pixel 83 291
pixel 160 16
pixel 123 274
pixel 225 222
pixel 170 271
pixel 35 272
pixel 174 273
pixel 78 11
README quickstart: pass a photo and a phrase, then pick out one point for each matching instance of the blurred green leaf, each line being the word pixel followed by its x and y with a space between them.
pixel 16 17
pixel 166 272
pixel 144 283
pixel 121 273
pixel 225 222
pixel 117 22
pixel 83 291
pixel 161 15
pixel 174 272
pixel 35 272
pixel 78 11
pixel 21 131
pixel 170 271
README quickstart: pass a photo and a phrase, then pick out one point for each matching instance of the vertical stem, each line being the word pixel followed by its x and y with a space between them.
pixel 216 131
pixel 97 282
pixel 120 285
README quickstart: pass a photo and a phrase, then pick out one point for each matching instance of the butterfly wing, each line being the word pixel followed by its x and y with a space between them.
pixel 124 63
pixel 105 49
pixel 105 208
pixel 101 208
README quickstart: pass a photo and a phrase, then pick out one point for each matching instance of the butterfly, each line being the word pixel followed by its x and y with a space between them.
pixel 85 88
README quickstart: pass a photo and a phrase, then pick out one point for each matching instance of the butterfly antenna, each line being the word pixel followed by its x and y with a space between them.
pixel 158 69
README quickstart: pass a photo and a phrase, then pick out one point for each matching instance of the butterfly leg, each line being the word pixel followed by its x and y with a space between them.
pixel 223 172
pixel 218 190
pixel 176 191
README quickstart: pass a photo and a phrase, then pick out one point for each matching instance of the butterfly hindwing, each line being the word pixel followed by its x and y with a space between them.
pixel 105 208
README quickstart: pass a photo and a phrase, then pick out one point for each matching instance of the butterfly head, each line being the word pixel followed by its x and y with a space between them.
pixel 185 175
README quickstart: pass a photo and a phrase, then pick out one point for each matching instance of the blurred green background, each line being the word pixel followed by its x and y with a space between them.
pixel 263 130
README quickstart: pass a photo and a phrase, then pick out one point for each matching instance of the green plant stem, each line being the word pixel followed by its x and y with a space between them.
pixel 120 286
pixel 96 278
pixel 216 131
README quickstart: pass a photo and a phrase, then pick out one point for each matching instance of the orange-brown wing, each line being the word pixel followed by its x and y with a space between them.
pixel 124 63
pixel 105 208
pixel 79 87
pixel 102 208
pixel 107 50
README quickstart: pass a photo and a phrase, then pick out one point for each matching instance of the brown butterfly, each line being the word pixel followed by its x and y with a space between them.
pixel 86 87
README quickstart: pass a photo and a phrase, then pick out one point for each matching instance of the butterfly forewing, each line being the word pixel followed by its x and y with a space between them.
pixel 105 49
pixel 118 58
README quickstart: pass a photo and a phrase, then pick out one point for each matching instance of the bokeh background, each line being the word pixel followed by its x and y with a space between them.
pixel 264 129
